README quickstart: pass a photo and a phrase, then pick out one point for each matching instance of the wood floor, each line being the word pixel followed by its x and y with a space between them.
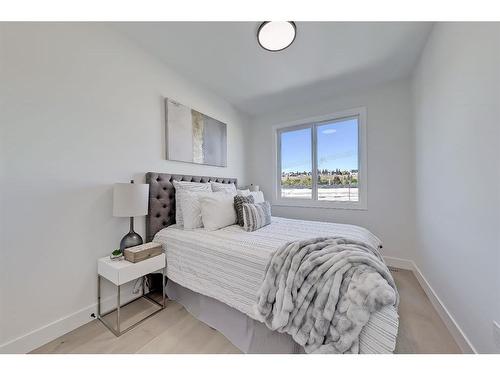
pixel 174 330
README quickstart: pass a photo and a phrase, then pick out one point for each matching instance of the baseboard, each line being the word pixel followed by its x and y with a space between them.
pixel 455 330
pixel 403 264
pixel 49 332
pixel 41 336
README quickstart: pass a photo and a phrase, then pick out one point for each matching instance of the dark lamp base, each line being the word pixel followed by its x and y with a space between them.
pixel 129 240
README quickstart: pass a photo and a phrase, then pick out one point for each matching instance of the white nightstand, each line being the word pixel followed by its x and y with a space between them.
pixel 120 272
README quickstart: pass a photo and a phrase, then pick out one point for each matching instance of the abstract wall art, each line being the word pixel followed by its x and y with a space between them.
pixel 194 137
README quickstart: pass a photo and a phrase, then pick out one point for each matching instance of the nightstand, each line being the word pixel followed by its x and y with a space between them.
pixel 119 272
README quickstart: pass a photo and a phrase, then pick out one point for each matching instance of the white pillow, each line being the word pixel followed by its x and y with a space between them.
pixel 218 186
pixel 191 207
pixel 243 192
pixel 188 186
pixel 217 211
pixel 258 196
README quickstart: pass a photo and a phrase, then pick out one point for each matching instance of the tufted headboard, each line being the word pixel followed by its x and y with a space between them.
pixel 161 211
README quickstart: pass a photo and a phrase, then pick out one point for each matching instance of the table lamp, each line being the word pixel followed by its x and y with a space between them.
pixel 130 200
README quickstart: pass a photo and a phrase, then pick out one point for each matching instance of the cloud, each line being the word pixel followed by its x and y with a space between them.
pixel 329 131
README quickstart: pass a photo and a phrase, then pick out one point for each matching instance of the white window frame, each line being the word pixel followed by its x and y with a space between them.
pixel 312 123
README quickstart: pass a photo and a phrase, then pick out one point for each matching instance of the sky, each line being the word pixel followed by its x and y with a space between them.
pixel 337 147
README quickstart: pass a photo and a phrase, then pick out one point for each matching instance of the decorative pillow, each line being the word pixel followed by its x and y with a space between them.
pixel 258 196
pixel 217 211
pixel 191 207
pixel 189 186
pixel 218 186
pixel 256 215
pixel 238 206
pixel 243 192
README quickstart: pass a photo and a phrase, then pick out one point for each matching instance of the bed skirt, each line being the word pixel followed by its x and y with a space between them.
pixel 247 334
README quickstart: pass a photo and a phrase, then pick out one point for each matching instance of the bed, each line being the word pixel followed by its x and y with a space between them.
pixel 216 275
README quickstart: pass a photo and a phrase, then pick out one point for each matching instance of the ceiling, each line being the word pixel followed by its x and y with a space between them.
pixel 325 59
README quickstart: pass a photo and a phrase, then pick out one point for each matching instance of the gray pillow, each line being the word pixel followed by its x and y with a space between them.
pixel 256 215
pixel 238 206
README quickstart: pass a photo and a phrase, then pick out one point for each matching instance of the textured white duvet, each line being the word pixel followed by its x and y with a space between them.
pixel 229 265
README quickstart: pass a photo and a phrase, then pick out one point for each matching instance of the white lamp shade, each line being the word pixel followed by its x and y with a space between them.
pixel 130 200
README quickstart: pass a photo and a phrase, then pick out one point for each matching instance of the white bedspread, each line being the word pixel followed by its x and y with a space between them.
pixel 229 265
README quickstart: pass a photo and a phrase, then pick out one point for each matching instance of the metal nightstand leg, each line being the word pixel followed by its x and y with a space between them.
pixel 118 332
pixel 118 311
pixel 98 296
pixel 163 286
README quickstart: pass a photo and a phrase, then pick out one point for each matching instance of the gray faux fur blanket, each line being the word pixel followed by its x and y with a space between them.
pixel 322 291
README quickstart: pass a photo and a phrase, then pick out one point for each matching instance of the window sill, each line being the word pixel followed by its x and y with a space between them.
pixel 320 204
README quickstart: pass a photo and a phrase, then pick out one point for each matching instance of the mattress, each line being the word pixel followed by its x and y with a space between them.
pixel 229 265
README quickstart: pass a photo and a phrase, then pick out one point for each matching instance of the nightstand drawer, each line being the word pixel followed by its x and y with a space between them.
pixel 123 271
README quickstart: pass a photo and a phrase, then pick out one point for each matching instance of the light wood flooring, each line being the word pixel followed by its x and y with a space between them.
pixel 174 330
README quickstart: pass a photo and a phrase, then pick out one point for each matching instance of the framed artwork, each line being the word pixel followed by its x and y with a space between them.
pixel 194 137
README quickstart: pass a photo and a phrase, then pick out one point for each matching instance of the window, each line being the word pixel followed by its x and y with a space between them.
pixel 321 163
pixel 296 163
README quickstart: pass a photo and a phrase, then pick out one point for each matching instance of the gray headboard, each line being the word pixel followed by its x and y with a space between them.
pixel 161 211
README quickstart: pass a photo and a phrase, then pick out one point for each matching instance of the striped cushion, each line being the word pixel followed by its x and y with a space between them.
pixel 238 206
pixel 256 215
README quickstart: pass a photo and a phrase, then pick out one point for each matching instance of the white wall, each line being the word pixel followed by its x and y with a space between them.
pixel 457 135
pixel 390 213
pixel 81 109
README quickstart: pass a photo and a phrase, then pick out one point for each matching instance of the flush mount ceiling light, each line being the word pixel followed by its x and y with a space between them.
pixel 276 36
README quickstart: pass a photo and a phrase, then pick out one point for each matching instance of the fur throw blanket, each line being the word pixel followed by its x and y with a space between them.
pixel 322 291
